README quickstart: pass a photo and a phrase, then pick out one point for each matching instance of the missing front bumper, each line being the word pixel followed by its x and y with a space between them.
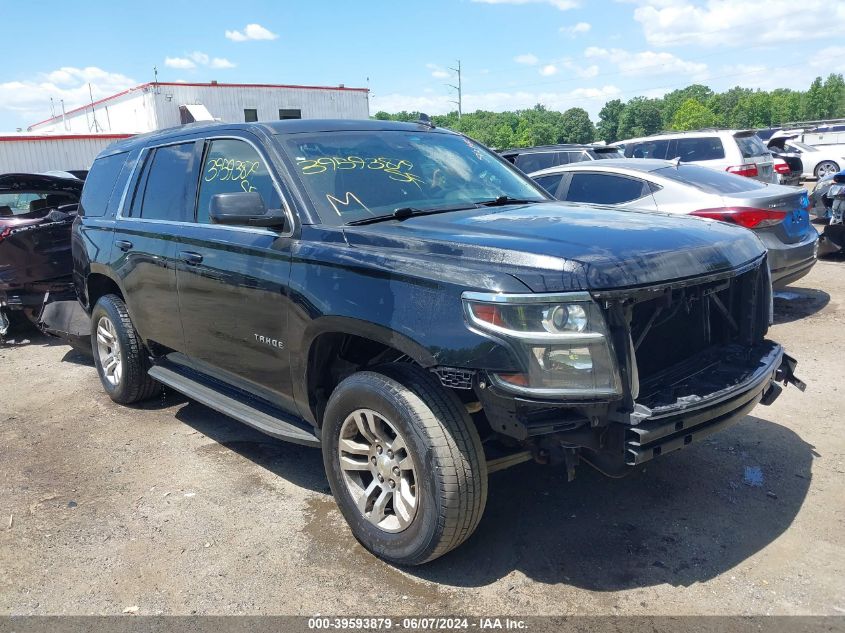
pixel 670 428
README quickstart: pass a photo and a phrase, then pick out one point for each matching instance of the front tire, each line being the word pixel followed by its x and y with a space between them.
pixel 119 355
pixel 826 168
pixel 404 462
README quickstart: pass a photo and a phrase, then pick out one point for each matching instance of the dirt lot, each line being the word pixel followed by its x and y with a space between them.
pixel 175 509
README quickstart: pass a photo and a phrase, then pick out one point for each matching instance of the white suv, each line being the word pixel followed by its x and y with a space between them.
pixel 740 152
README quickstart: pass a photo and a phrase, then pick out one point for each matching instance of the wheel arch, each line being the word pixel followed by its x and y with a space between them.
pixel 335 347
pixel 98 285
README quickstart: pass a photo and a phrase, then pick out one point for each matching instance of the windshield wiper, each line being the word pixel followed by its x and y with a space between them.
pixel 403 213
pixel 503 200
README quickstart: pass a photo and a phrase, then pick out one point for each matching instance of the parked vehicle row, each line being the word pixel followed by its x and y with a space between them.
pixel 407 300
pixel 738 152
pixel 818 162
pixel 778 215
pixel 532 159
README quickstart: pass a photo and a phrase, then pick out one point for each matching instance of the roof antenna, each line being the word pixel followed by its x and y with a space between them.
pixel 424 119
pixel 676 161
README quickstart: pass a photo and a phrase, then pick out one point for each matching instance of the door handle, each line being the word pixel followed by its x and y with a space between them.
pixel 189 257
pixel 123 245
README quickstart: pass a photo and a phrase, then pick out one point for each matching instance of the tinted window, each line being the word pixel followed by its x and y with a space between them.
pixel 709 180
pixel 358 175
pixel 692 149
pixel 576 157
pixel 289 113
pixel 230 166
pixel 100 184
pixel 610 152
pixel 648 149
pixel 549 183
pixel 164 192
pixel 604 188
pixel 250 115
pixel 750 146
pixel 532 162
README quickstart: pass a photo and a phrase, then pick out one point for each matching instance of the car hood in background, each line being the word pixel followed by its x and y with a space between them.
pixel 554 247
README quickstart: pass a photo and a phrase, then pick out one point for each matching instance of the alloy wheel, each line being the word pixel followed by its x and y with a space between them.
pixel 108 351
pixel 378 470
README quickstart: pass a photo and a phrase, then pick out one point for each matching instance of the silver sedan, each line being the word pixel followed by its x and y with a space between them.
pixel 777 214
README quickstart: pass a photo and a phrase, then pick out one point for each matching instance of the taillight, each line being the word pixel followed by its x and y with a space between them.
pixel 781 167
pixel 5 233
pixel 749 217
pixel 749 170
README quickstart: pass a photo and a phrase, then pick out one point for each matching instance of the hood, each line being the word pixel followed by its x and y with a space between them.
pixel 554 247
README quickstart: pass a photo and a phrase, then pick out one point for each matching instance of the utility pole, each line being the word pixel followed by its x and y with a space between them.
pixel 458 88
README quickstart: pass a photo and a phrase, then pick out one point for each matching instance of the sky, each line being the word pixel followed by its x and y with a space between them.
pixel 513 53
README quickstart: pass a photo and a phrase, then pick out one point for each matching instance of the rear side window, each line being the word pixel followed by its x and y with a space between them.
pixel 648 149
pixel 549 183
pixel 751 146
pixel 100 184
pixel 575 157
pixel 605 188
pixel 709 180
pixel 161 191
pixel 694 149
pixel 530 163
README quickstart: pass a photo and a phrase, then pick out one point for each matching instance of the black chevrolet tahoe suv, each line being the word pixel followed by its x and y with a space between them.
pixel 407 300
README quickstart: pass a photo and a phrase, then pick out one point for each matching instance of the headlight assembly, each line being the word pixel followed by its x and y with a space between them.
pixel 561 339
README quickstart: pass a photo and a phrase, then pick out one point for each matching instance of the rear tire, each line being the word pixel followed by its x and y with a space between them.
pixel 119 355
pixel 433 488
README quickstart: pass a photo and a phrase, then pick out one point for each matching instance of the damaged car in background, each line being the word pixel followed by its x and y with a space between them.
pixel 36 215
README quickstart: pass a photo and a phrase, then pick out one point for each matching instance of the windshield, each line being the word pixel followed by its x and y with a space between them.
pixel 352 176
pixel 25 202
pixel 709 180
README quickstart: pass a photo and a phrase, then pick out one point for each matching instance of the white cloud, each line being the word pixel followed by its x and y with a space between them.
pixel 179 62
pixel 527 59
pixel 732 23
pixel 563 5
pixel 548 70
pixel 29 100
pixel 648 62
pixel 591 99
pixel 438 72
pixel 198 58
pixel 576 29
pixel 251 32
pixel 221 62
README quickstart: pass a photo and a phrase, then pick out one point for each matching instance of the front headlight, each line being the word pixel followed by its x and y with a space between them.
pixel 562 342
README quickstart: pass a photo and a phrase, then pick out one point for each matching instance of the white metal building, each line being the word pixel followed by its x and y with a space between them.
pixel 34 153
pixel 154 106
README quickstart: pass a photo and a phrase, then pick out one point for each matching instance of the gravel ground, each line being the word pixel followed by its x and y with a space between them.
pixel 173 508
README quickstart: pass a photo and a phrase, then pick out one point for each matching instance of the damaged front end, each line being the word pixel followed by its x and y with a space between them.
pixel 36 215
pixel 690 358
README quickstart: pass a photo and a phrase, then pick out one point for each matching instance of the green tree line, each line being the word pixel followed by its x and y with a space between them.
pixel 690 108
